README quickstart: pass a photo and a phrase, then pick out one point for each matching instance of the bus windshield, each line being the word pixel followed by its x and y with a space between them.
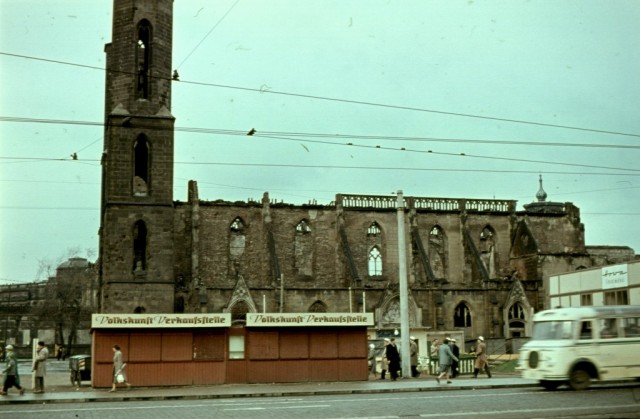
pixel 553 330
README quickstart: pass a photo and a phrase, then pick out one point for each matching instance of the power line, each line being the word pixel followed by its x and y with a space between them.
pixel 208 33
pixel 308 166
pixel 403 149
pixel 340 100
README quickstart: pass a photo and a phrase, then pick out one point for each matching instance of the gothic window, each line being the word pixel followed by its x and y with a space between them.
pixel 374 230
pixel 462 316
pixel 488 250
pixel 437 252
pixel 318 307
pixel 239 312
pixel 516 316
pixel 143 58
pixel 375 262
pixel 237 238
pixel 303 250
pixel 237 225
pixel 303 227
pixel 141 166
pixel 139 246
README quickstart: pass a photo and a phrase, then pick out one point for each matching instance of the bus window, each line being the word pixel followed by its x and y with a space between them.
pixel 586 331
pixel 552 330
pixel 631 327
pixel 609 329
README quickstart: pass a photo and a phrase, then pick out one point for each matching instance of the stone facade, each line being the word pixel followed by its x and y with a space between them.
pixel 476 266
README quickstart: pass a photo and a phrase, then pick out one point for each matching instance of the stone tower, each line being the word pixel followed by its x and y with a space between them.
pixel 136 231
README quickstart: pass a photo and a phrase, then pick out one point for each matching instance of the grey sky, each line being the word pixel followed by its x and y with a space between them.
pixel 420 66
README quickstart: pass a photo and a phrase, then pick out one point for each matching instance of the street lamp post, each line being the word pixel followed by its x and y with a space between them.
pixel 404 293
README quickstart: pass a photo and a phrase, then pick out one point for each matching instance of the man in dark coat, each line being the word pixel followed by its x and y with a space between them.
pixel 455 364
pixel 393 356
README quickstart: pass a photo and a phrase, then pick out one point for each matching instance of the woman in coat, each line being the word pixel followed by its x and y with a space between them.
pixel 118 368
pixel 10 371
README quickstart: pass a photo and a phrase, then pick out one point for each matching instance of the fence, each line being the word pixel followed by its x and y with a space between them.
pixel 431 365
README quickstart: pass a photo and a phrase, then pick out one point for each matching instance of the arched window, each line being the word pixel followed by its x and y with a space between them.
pixel 374 230
pixel 318 307
pixel 375 262
pixel 139 310
pixel 303 250
pixel 303 227
pixel 237 226
pixel 141 161
pixel 237 238
pixel 488 249
pixel 143 58
pixel 437 252
pixel 517 320
pixel 462 316
pixel 139 246
pixel 239 312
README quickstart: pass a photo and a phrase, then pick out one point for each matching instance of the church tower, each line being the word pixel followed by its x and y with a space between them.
pixel 136 231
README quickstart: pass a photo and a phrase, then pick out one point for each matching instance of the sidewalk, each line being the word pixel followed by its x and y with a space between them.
pixel 59 389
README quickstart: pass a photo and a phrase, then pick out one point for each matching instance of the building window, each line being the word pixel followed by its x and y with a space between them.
pixel 239 312
pixel 139 246
pixel 375 262
pixel 586 299
pixel 303 227
pixel 374 230
pixel 143 58
pixel 437 252
pixel 462 316
pixel 318 307
pixel 303 250
pixel 236 347
pixel 614 298
pixel 237 238
pixel 141 154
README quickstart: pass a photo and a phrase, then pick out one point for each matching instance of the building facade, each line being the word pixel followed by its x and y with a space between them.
pixel 600 286
pixel 474 265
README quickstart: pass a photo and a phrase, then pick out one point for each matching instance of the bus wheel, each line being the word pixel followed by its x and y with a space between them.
pixel 579 379
pixel 550 385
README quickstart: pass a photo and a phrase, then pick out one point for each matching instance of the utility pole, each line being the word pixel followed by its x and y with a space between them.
pixel 404 291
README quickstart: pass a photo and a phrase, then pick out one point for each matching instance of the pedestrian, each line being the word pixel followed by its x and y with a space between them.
pixel 481 358
pixel 413 352
pixel 435 344
pixel 455 365
pixel 59 352
pixel 372 360
pixel 384 362
pixel 119 374
pixel 40 366
pixel 445 356
pixel 10 371
pixel 393 356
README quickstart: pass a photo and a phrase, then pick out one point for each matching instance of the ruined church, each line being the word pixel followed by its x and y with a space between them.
pixel 475 265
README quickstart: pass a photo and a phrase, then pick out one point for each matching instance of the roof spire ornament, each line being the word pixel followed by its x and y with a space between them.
pixel 541 195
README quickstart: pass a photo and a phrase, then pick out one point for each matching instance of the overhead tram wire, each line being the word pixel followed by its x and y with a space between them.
pixel 309 166
pixel 208 33
pixel 378 147
pixel 348 101
pixel 221 131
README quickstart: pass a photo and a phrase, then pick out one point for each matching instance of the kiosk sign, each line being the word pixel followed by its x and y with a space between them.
pixel 128 321
pixel 309 319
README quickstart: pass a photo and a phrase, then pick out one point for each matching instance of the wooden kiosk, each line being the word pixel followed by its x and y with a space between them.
pixel 205 349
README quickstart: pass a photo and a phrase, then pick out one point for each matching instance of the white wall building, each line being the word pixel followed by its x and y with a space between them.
pixel 607 285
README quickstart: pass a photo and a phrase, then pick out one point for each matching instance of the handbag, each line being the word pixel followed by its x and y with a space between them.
pixel 120 378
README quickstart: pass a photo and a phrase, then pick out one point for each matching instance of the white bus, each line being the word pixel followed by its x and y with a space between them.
pixel 578 345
